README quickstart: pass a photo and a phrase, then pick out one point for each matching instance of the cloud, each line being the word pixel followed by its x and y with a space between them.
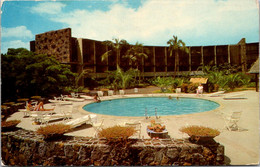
pixel 48 8
pixel 154 22
pixel 14 44
pixel 17 32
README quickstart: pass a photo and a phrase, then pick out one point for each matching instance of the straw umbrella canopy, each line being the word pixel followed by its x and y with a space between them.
pixel 255 70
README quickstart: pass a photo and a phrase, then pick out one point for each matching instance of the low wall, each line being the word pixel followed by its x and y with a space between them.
pixel 25 148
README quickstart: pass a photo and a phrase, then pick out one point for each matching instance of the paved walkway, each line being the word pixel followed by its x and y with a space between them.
pixel 241 147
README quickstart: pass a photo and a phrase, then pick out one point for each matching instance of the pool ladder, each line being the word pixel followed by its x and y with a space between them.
pixel 155 112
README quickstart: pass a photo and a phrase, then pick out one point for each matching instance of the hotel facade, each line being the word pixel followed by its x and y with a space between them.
pixel 86 54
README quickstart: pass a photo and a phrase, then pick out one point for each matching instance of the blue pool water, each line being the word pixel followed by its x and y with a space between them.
pixel 137 106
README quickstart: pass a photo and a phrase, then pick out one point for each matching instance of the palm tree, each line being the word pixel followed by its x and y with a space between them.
pixel 176 46
pixel 115 46
pixel 136 55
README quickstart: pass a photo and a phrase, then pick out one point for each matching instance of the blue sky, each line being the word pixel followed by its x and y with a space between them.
pixel 151 22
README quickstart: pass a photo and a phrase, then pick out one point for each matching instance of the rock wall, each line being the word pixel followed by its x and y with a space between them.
pixel 56 43
pixel 25 148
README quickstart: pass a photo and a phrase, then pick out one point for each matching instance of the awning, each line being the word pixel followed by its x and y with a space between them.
pixel 255 68
pixel 199 80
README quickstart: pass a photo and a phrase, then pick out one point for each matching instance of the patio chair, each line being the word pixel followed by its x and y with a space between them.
pixel 231 121
pixel 96 125
pixel 137 126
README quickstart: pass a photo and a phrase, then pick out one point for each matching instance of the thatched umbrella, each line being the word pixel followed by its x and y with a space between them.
pixel 255 70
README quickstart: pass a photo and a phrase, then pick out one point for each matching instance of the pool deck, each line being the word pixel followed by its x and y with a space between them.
pixel 241 147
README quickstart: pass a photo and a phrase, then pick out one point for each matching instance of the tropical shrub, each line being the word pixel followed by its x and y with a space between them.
pixel 184 87
pixel 192 87
pixel 10 123
pixel 163 82
pixel 116 133
pixel 177 82
pixel 119 79
pixel 53 131
pixel 25 74
pixel 195 130
pixel 233 81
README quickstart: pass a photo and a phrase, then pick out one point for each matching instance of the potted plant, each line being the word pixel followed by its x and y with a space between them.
pixel 200 134
pixel 9 125
pixel 54 131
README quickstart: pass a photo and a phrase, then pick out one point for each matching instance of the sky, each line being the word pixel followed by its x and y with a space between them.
pixel 150 22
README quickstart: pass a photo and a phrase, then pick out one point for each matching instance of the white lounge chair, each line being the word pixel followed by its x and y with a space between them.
pixel 135 90
pixel 217 94
pixel 75 95
pixel 121 92
pixel 73 99
pixel 136 125
pixel 234 96
pixel 231 121
pixel 110 92
pixel 44 117
pixel 78 121
pixel 178 90
pixel 100 93
pixel 59 100
pixel 87 97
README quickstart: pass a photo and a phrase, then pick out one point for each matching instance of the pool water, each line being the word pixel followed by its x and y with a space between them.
pixel 136 107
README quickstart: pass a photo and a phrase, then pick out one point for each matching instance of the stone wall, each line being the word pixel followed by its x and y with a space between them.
pixel 24 148
pixel 56 43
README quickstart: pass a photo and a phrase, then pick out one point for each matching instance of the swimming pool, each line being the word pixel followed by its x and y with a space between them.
pixel 136 107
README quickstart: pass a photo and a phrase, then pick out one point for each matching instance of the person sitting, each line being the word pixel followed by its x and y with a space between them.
pixel 97 99
pixel 157 127
pixel 199 90
pixel 29 106
pixel 40 107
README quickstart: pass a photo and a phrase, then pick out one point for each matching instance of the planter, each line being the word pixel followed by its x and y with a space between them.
pixel 202 139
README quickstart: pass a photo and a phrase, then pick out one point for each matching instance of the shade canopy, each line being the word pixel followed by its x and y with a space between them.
pixel 255 68
pixel 199 80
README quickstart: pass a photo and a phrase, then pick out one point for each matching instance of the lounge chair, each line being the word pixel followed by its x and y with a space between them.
pixel 59 100
pixel 74 95
pixel 44 117
pixel 87 97
pixel 135 90
pixel 217 94
pixel 136 125
pixel 231 121
pixel 100 93
pixel 110 92
pixel 178 90
pixel 234 96
pixel 73 99
pixel 78 121
pixel 121 92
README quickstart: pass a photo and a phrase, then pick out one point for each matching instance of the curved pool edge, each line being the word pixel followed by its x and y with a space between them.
pixel 105 98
